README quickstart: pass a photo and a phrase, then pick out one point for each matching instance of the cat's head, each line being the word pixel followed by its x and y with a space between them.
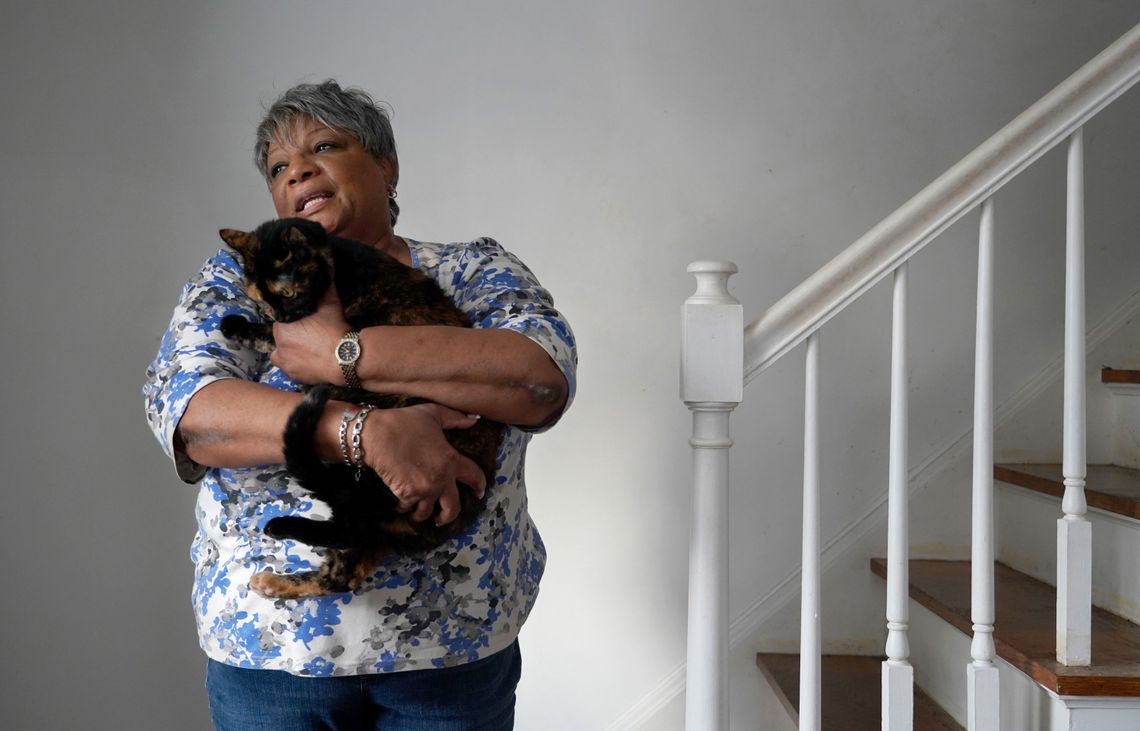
pixel 287 265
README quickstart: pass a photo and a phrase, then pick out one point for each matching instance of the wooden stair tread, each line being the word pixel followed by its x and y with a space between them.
pixel 1025 627
pixel 850 692
pixel 1108 487
pixel 1118 375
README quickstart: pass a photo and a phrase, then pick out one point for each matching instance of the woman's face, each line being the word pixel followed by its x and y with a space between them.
pixel 325 175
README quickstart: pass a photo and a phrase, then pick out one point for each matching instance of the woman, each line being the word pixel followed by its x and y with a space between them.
pixel 430 640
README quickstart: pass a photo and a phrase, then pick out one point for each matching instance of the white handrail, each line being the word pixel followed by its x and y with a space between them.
pixel 977 176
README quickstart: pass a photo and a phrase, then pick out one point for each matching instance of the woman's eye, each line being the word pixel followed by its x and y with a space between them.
pixel 322 146
pixel 275 170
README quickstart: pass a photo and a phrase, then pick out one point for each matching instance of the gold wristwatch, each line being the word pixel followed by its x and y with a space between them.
pixel 347 354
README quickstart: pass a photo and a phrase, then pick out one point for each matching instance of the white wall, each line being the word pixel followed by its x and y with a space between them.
pixel 608 144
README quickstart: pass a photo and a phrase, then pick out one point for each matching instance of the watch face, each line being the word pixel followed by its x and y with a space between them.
pixel 348 351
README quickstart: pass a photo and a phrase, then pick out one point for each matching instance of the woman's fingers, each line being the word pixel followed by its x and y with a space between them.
pixel 450 418
pixel 448 498
pixel 423 511
pixel 407 449
pixel 468 473
pixel 448 507
pixel 304 347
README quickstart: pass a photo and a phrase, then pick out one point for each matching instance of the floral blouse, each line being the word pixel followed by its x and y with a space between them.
pixel 447 606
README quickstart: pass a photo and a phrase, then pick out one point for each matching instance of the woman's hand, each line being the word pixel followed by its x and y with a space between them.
pixel 306 349
pixel 407 449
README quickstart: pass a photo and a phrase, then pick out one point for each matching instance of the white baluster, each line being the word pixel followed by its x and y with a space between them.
pixel 712 384
pixel 810 642
pixel 1074 531
pixel 982 674
pixel 898 675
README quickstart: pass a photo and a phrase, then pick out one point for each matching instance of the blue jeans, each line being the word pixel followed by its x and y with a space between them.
pixel 478 696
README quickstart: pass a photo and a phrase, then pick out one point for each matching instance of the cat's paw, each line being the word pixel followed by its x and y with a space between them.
pixel 276 586
pixel 287 586
pixel 255 335
pixel 265 584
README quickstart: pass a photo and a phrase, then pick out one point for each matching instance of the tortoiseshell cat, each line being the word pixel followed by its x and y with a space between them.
pixel 288 266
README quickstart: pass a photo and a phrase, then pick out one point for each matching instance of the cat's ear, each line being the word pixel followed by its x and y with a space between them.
pixel 295 235
pixel 240 241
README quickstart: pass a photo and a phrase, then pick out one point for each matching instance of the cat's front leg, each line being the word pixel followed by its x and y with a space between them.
pixel 255 335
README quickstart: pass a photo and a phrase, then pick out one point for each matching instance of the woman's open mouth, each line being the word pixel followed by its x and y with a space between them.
pixel 313 202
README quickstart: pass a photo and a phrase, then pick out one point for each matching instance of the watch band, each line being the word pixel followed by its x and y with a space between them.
pixel 347 354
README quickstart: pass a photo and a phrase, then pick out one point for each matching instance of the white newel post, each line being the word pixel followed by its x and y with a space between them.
pixel 1074 531
pixel 712 384
pixel 898 675
pixel 983 709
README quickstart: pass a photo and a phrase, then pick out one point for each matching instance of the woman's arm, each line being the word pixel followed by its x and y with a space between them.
pixel 206 407
pixel 514 366
pixel 496 373
pixel 235 423
pixel 500 374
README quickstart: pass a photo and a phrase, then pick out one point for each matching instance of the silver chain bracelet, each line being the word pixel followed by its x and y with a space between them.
pixel 345 418
pixel 357 455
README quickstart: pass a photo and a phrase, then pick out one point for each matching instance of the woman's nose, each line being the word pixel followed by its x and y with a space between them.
pixel 300 169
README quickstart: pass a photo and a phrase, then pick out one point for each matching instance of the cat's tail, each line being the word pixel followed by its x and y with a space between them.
pixel 299 440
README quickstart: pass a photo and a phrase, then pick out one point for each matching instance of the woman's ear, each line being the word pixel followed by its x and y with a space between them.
pixel 391 170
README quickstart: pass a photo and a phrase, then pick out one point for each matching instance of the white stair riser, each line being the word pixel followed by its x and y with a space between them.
pixel 1126 424
pixel 940 654
pixel 1027 535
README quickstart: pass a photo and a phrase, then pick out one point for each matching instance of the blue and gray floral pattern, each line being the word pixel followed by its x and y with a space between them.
pixel 448 606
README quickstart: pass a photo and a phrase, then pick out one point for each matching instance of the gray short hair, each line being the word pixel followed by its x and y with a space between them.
pixel 350 110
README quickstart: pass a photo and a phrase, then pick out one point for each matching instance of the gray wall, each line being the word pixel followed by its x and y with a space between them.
pixel 608 144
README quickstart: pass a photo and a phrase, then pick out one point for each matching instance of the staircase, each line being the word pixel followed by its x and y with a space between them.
pixel 1044 616
pixel 1037 691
